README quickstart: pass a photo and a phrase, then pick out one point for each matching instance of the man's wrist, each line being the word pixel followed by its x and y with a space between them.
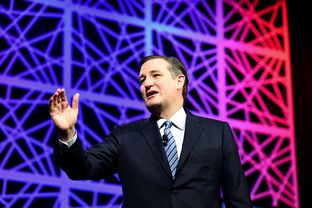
pixel 70 141
pixel 67 134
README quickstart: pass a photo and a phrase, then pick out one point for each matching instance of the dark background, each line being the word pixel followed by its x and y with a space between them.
pixel 300 29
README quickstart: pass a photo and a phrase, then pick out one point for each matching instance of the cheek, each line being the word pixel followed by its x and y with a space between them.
pixel 167 86
pixel 142 90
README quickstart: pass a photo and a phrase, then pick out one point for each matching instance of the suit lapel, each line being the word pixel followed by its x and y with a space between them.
pixel 191 135
pixel 151 134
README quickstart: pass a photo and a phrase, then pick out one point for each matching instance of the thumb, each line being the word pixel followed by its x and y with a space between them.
pixel 75 102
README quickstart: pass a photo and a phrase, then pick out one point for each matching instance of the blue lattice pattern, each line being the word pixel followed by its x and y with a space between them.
pixel 236 53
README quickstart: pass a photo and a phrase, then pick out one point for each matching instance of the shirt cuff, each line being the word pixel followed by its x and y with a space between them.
pixel 70 142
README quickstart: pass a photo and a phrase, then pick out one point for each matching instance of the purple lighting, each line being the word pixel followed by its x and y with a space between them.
pixel 236 54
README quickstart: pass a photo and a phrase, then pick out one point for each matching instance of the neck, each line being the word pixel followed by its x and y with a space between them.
pixel 165 113
pixel 169 113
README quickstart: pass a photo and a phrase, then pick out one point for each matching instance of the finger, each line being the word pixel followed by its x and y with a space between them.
pixel 52 102
pixel 75 102
pixel 54 96
pixel 58 96
pixel 58 91
pixel 50 105
pixel 63 95
pixel 55 99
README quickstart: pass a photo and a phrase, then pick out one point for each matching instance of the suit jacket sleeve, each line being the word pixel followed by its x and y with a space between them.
pixel 99 161
pixel 234 186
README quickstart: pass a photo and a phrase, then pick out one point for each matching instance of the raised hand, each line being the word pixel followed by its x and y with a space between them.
pixel 64 116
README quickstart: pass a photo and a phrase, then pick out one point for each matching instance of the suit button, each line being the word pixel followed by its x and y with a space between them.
pixel 174 192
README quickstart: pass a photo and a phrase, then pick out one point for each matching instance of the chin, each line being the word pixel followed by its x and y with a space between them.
pixel 152 102
pixel 153 107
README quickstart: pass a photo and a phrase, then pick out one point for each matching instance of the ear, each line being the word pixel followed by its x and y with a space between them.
pixel 180 81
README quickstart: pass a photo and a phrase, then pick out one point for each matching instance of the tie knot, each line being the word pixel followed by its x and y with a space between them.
pixel 168 124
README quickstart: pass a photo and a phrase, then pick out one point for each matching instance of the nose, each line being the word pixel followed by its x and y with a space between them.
pixel 148 83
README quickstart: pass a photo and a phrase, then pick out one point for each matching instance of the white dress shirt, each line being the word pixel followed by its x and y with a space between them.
pixel 177 129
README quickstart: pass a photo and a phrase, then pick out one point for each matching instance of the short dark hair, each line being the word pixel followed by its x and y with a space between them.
pixel 176 67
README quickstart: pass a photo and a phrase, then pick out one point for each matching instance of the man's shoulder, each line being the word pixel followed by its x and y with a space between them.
pixel 134 124
pixel 131 126
pixel 205 119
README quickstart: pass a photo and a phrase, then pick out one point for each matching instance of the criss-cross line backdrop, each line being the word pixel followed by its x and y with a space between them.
pixel 238 60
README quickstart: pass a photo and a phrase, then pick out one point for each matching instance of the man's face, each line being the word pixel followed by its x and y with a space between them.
pixel 158 87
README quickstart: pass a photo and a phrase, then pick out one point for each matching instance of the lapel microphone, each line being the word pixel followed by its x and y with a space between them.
pixel 164 140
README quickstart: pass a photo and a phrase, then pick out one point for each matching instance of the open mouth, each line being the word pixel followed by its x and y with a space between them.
pixel 151 93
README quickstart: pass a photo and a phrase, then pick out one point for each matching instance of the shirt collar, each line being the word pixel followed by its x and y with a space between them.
pixel 178 119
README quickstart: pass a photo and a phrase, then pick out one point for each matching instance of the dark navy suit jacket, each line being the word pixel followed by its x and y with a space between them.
pixel 209 161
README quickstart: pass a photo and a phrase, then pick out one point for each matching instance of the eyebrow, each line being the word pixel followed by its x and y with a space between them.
pixel 153 71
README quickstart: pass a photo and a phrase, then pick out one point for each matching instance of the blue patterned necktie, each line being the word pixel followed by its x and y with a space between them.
pixel 171 148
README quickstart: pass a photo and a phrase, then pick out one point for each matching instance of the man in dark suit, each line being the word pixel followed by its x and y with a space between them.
pixel 171 160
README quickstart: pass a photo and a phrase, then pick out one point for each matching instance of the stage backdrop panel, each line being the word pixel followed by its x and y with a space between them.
pixel 237 57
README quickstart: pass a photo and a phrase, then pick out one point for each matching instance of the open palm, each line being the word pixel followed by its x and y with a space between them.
pixel 63 116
